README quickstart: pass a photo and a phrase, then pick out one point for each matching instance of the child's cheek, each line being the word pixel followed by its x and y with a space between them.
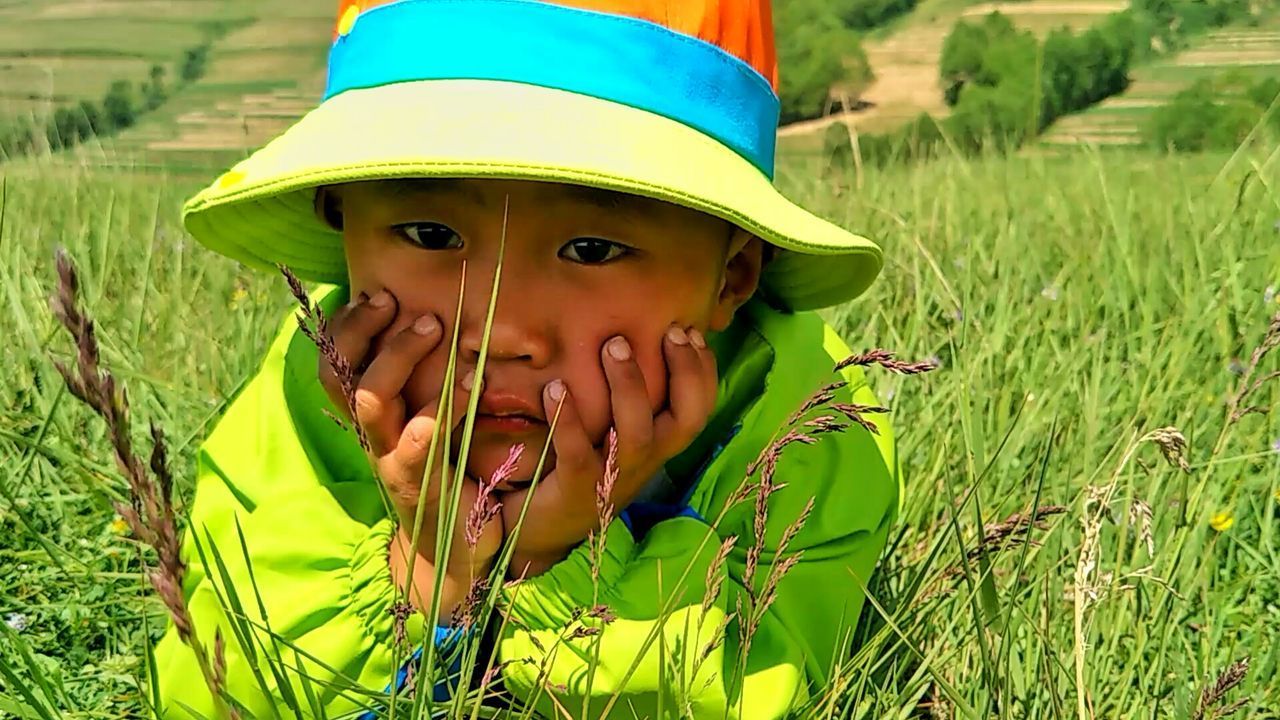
pixel 425 383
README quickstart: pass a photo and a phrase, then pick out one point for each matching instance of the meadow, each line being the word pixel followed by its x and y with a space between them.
pixel 1052 558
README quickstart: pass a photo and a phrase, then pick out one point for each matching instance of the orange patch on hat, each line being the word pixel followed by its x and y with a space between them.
pixel 743 28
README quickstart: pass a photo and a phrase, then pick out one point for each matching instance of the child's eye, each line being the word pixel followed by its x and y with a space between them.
pixel 592 251
pixel 431 235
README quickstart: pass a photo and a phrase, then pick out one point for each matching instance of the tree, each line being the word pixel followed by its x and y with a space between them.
pixel 984 53
pixel 816 52
pixel 867 14
pixel 120 106
pixel 154 91
pixel 93 121
pixel 194 63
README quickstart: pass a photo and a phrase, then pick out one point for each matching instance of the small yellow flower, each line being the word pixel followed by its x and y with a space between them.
pixel 119 526
pixel 238 296
pixel 1277 496
pixel 1222 521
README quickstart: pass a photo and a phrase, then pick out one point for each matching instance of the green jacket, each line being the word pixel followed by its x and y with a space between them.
pixel 281 474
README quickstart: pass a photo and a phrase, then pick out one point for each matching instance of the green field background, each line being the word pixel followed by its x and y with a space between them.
pixel 1074 303
pixel 1076 300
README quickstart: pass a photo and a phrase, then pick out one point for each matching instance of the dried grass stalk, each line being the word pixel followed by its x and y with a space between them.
pixel 1238 407
pixel 149 514
pixel 313 324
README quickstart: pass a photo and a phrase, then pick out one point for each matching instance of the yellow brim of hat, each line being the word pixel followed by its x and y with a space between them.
pixel 262 212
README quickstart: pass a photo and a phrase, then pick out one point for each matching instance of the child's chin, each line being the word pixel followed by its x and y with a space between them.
pixel 489 455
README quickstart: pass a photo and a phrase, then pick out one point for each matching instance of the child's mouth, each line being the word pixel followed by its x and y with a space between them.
pixel 507 413
pixel 509 424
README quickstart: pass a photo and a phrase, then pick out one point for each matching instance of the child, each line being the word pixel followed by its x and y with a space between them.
pixel 618 154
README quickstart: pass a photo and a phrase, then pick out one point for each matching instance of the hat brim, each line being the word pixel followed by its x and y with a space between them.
pixel 261 212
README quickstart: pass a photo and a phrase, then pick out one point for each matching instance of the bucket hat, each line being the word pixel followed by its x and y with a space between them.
pixel 670 99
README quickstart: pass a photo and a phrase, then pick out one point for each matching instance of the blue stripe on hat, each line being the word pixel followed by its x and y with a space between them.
pixel 612 57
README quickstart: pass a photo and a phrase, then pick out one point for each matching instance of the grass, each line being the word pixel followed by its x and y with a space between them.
pixel 1076 303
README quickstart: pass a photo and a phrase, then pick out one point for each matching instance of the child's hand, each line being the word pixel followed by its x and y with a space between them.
pixel 399 446
pixel 563 508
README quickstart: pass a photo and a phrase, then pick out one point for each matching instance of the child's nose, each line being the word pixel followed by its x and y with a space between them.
pixel 514 336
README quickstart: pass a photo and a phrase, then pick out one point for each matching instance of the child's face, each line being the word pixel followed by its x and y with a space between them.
pixel 580 267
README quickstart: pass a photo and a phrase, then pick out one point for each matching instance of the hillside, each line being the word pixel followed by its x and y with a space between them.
pixel 55 52
pixel 261 78
pixel 905 57
pixel 265 67
pixel 1117 120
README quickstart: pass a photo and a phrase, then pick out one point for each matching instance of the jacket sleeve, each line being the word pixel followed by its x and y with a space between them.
pixel 313 567
pixel 661 656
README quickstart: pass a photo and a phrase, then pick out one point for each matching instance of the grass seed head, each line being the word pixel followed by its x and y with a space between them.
pixel 1140 515
pixel 604 488
pixel 715 576
pixel 885 359
pixel 1213 695
pixel 313 324
pixel 1173 446
pixel 465 615
pixel 486 508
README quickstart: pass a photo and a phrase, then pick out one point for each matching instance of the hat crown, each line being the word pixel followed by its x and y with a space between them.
pixel 742 28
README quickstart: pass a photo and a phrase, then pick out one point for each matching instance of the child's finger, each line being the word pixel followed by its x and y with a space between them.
pixel 575 455
pixel 688 403
pixel 353 335
pixel 632 416
pixel 404 469
pixel 559 510
pixel 411 450
pixel 379 402
pixel 710 373
pixel 353 329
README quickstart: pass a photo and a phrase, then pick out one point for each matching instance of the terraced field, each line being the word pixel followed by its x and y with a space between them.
pixel 1118 120
pixel 906 59
pixel 260 80
pixel 260 77
pixel 58 52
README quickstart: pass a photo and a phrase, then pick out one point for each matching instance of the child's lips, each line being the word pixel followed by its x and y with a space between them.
pixel 511 424
pixel 506 412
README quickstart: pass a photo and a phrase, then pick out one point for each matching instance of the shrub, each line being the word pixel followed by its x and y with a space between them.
pixel 1214 114
pixel 921 139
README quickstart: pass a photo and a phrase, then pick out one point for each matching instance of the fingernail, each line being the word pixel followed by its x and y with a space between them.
pixel 469 380
pixel 555 390
pixel 619 348
pixel 381 300
pixel 677 336
pixel 696 338
pixel 425 325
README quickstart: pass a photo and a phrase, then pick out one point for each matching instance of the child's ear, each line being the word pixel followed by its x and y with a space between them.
pixel 742 267
pixel 328 206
